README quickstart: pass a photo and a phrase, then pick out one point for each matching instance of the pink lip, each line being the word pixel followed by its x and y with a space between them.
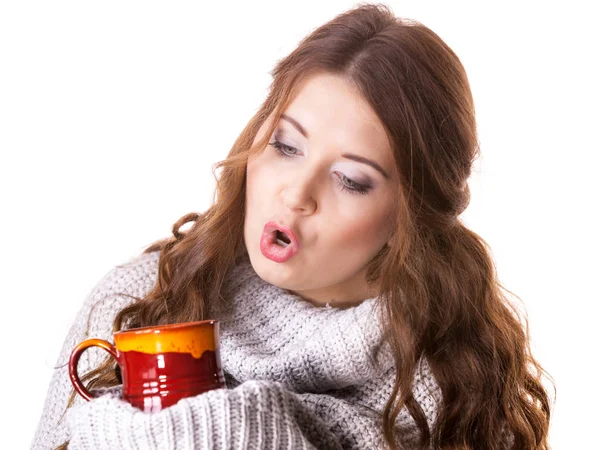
pixel 273 251
pixel 272 226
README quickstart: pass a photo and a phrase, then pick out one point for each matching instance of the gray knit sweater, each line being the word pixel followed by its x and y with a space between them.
pixel 298 376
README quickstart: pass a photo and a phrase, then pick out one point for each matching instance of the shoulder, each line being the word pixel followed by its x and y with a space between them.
pixel 119 287
pixel 134 277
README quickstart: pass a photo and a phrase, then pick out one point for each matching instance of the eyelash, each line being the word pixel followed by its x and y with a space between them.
pixel 358 189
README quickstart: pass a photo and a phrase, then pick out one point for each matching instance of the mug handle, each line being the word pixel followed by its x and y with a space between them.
pixel 74 359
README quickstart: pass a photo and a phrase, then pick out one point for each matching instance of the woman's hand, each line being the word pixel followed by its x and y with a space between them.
pixel 255 414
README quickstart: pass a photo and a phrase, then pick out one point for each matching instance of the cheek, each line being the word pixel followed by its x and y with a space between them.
pixel 254 177
pixel 260 183
pixel 366 230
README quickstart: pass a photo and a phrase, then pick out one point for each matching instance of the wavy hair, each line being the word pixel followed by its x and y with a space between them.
pixel 439 287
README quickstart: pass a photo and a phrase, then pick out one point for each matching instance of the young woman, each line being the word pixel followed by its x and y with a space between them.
pixel 356 310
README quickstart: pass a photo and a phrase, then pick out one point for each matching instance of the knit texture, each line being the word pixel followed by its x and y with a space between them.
pixel 298 376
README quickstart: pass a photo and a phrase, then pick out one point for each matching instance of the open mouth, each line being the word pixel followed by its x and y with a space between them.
pixel 281 238
pixel 278 242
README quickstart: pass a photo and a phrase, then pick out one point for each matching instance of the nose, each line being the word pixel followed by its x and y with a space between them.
pixel 298 194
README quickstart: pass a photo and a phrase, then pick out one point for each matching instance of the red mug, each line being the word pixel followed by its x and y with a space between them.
pixel 161 364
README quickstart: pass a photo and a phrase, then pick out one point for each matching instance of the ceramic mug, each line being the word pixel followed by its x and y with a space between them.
pixel 162 364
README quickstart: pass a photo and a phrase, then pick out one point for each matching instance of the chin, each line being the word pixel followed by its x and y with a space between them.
pixel 274 273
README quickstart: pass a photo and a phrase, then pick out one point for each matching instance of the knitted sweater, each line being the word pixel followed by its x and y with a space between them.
pixel 298 376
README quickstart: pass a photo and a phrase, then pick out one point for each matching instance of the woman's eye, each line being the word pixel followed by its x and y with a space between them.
pixel 351 186
pixel 283 150
pixel 345 183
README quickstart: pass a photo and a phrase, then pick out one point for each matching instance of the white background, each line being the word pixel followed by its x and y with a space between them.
pixel 112 114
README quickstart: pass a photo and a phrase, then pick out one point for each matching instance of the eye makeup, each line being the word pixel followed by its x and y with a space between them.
pixel 346 184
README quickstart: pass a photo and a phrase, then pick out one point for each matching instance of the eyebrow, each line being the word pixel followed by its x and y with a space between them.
pixel 353 157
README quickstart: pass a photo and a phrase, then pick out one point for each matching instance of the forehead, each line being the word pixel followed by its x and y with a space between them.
pixel 331 110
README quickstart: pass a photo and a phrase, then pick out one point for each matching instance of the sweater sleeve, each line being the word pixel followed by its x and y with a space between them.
pixel 93 320
pixel 253 415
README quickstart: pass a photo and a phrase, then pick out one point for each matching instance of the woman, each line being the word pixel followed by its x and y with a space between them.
pixel 356 310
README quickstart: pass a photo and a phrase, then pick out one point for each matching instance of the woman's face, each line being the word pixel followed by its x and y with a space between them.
pixel 339 208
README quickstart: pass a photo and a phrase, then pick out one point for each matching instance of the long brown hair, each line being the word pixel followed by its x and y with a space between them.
pixel 442 299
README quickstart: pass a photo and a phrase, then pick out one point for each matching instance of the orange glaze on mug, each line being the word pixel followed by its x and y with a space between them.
pixel 172 339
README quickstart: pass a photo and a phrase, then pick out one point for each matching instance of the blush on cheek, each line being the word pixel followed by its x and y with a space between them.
pixel 367 231
pixel 355 229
